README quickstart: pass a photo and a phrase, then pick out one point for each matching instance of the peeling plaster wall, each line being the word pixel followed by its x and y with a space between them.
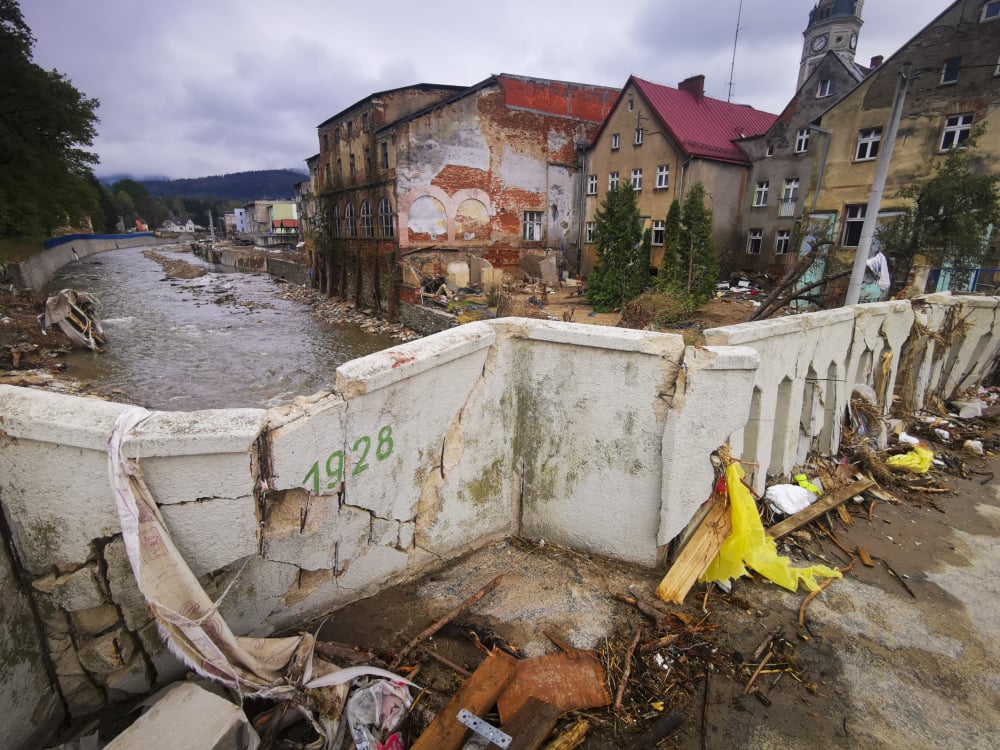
pixel 595 438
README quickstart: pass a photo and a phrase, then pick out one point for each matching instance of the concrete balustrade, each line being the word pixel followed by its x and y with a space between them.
pixel 594 438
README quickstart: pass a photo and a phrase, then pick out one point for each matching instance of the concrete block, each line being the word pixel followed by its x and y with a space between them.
pixel 75 591
pixel 107 653
pixel 46 417
pixel 131 680
pixel 492 279
pixel 188 716
pixel 82 696
pixel 385 533
pixel 183 479
pixel 301 530
pixel 196 433
pixel 166 666
pixel 298 437
pixel 549 270
pixel 213 533
pixel 254 604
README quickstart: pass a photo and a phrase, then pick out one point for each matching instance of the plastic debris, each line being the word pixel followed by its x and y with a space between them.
pixel 748 545
pixel 789 498
pixel 803 481
pixel 917 461
pixel 374 710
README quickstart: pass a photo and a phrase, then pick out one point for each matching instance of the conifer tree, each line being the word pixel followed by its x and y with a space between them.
pixel 622 270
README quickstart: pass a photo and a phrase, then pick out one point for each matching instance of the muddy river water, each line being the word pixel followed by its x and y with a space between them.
pixel 221 340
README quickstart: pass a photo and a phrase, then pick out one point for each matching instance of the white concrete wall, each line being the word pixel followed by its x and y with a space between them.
pixel 594 438
pixel 34 273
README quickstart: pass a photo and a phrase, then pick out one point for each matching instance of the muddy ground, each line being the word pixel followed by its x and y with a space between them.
pixel 907 658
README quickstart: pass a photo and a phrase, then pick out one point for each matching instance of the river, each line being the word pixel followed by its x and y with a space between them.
pixel 221 340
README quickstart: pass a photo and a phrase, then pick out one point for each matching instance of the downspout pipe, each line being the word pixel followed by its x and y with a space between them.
pixel 822 164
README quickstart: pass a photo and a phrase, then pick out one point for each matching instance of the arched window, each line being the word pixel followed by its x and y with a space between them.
pixel 367 230
pixel 385 218
pixel 352 227
pixel 335 221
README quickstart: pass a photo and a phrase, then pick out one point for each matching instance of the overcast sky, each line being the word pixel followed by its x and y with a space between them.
pixel 190 88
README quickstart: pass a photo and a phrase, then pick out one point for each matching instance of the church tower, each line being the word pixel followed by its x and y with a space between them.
pixel 833 25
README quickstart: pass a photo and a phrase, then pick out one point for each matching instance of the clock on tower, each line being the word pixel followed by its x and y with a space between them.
pixel 818 43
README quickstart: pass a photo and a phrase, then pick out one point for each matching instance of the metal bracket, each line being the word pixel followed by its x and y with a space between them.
pixel 485 729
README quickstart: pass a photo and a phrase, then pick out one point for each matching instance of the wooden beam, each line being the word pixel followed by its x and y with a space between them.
pixel 826 503
pixel 531 725
pixel 477 695
pixel 698 553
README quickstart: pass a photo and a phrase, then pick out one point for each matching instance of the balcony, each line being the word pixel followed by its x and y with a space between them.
pixel 786 207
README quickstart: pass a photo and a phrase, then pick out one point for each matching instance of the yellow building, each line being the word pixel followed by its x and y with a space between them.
pixel 662 140
pixel 954 88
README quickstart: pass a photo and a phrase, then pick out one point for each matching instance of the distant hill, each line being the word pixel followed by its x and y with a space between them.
pixel 241 186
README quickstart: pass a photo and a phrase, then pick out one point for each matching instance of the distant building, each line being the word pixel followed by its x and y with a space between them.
pixel 662 140
pixel 271 223
pixel 240 219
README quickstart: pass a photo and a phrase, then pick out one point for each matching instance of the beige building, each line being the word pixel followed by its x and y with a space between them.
pixel 663 140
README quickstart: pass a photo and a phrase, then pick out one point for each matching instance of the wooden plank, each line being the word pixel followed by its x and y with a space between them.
pixel 531 725
pixel 477 695
pixel 569 680
pixel 698 553
pixel 826 503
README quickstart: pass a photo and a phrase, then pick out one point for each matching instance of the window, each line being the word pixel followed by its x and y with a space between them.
pixel 336 136
pixel 790 190
pixel 326 141
pixel 336 221
pixel 991 11
pixel 367 230
pixel 663 176
pixel 340 169
pixel 328 176
pixel 616 141
pixel 949 73
pixel 802 141
pixel 637 179
pixel 659 228
pixel 532 226
pixel 782 241
pixel 853 221
pixel 770 151
pixel 352 167
pixel 868 141
pixel 352 228
pixel 638 136
pixel 613 181
pixel 997 71
pixel 825 88
pixel 957 129
pixel 385 218
pixel 350 129
pixel 760 194
pixel 592 184
pixel 589 236
pixel 364 122
pixel 383 155
pixel 630 105
pixel 755 238
pixel 368 161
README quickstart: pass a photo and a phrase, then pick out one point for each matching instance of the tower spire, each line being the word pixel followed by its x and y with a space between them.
pixel 833 25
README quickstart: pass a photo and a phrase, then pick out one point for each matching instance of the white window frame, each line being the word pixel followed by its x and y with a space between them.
pixel 991 11
pixel 616 141
pixel 854 216
pixel 612 180
pixel 638 136
pixel 869 140
pixel 631 104
pixel 790 189
pixel 349 221
pixel 782 242
pixel 659 231
pixel 637 179
pixel 802 141
pixel 532 229
pixel 663 176
pixel 760 193
pixel 958 128
pixel 755 239
pixel 588 236
pixel 592 184
pixel 825 88
pixel 955 69
pixel 769 152
pixel 335 218
pixel 385 218
pixel 367 225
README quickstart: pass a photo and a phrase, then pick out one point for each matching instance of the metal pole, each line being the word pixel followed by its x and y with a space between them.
pixel 875 198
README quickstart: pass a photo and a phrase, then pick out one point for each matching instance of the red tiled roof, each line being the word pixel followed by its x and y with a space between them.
pixel 292 223
pixel 704 126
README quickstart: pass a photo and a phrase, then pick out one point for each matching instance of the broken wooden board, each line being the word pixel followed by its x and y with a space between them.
pixel 698 553
pixel 826 503
pixel 531 725
pixel 477 695
pixel 568 680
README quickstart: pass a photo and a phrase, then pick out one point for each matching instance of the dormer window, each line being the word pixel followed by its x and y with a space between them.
pixel 991 11
pixel 825 88
pixel 630 105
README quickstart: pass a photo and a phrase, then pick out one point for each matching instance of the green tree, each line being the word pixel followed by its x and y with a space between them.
pixel 950 216
pixel 690 266
pixel 45 123
pixel 622 270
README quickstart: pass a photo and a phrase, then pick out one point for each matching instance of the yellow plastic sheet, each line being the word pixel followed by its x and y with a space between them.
pixel 747 546
pixel 917 461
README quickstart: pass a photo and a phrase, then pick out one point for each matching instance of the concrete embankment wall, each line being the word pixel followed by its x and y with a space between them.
pixel 594 438
pixel 33 274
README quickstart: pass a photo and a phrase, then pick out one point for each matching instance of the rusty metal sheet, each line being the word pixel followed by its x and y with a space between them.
pixel 569 680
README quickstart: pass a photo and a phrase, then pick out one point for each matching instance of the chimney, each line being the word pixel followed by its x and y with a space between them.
pixel 876 61
pixel 695 85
